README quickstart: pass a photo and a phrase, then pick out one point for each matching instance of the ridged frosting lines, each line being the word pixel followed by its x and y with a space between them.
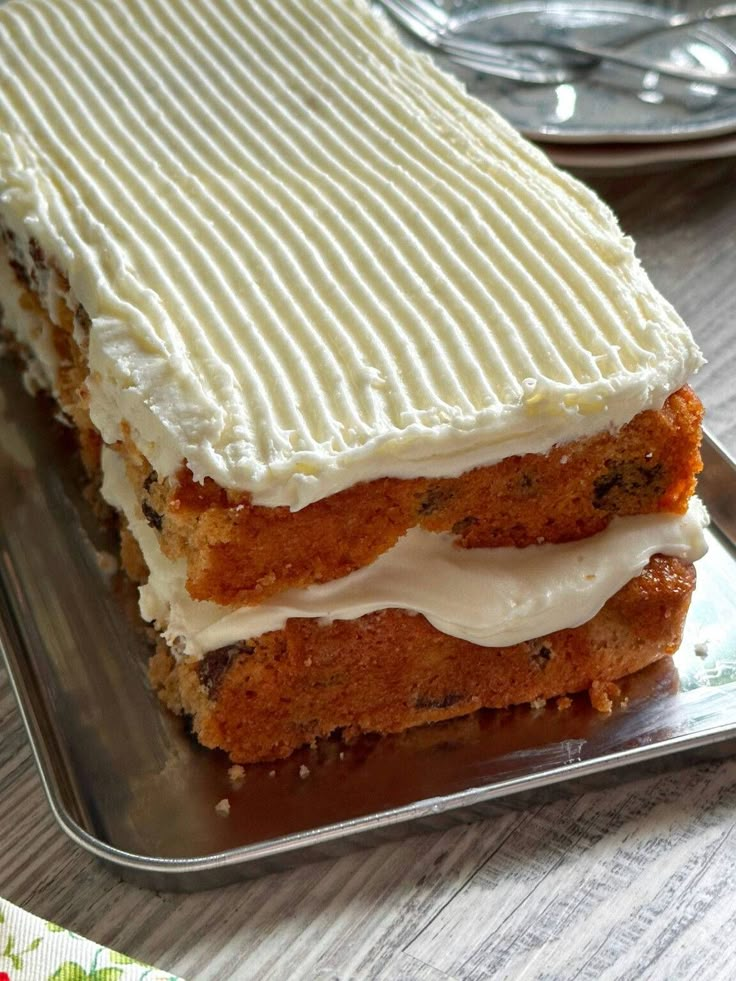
pixel 517 207
pixel 444 201
pixel 411 201
pixel 156 229
pixel 309 258
pixel 382 284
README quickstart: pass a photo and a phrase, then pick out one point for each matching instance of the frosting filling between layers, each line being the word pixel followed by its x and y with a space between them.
pixel 309 258
pixel 491 597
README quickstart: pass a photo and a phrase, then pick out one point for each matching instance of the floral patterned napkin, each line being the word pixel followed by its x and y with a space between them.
pixel 33 950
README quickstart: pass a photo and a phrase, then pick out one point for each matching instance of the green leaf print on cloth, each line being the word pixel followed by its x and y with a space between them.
pixel 33 950
pixel 75 972
pixel 11 951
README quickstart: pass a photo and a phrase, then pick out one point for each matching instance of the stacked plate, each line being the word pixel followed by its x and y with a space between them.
pixel 613 117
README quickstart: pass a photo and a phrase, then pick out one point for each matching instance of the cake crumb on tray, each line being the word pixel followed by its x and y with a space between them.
pixel 236 774
pixel 602 695
pixel 222 808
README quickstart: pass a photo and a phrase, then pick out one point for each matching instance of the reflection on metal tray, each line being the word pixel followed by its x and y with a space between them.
pixel 127 782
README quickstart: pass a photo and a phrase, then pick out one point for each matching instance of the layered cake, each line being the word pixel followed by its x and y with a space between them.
pixel 395 425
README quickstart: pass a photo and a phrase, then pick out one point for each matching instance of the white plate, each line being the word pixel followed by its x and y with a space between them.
pixel 632 156
pixel 611 103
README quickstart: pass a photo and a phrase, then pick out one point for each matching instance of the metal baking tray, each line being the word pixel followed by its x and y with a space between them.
pixel 128 783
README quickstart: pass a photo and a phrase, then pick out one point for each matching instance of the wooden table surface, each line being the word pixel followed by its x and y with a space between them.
pixel 635 881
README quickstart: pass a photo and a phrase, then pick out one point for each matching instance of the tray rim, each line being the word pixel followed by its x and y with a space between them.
pixel 242 857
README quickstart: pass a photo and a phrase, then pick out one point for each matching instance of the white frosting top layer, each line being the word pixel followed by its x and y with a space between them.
pixel 309 257
pixel 490 596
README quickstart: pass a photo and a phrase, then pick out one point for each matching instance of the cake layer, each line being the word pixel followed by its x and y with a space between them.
pixel 236 551
pixel 336 317
pixel 491 597
pixel 29 326
pixel 305 257
pixel 388 671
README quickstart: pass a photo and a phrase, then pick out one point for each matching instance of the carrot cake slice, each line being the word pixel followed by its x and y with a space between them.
pixel 395 423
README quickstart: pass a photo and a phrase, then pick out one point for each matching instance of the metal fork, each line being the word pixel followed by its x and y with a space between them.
pixel 543 67
pixel 534 61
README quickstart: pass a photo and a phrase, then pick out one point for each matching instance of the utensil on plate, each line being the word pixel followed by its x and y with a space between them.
pixel 546 61
pixel 666 20
pixel 539 65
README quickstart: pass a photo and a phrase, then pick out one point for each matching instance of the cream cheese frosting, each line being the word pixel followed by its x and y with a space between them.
pixel 308 256
pixel 490 596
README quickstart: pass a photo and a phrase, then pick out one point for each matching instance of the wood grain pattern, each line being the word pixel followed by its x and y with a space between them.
pixel 630 882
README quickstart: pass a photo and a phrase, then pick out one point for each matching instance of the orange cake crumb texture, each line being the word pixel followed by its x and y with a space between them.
pixel 238 552
pixel 391 670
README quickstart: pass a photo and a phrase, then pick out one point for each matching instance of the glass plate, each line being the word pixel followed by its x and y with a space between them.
pixel 611 103
pixel 618 157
